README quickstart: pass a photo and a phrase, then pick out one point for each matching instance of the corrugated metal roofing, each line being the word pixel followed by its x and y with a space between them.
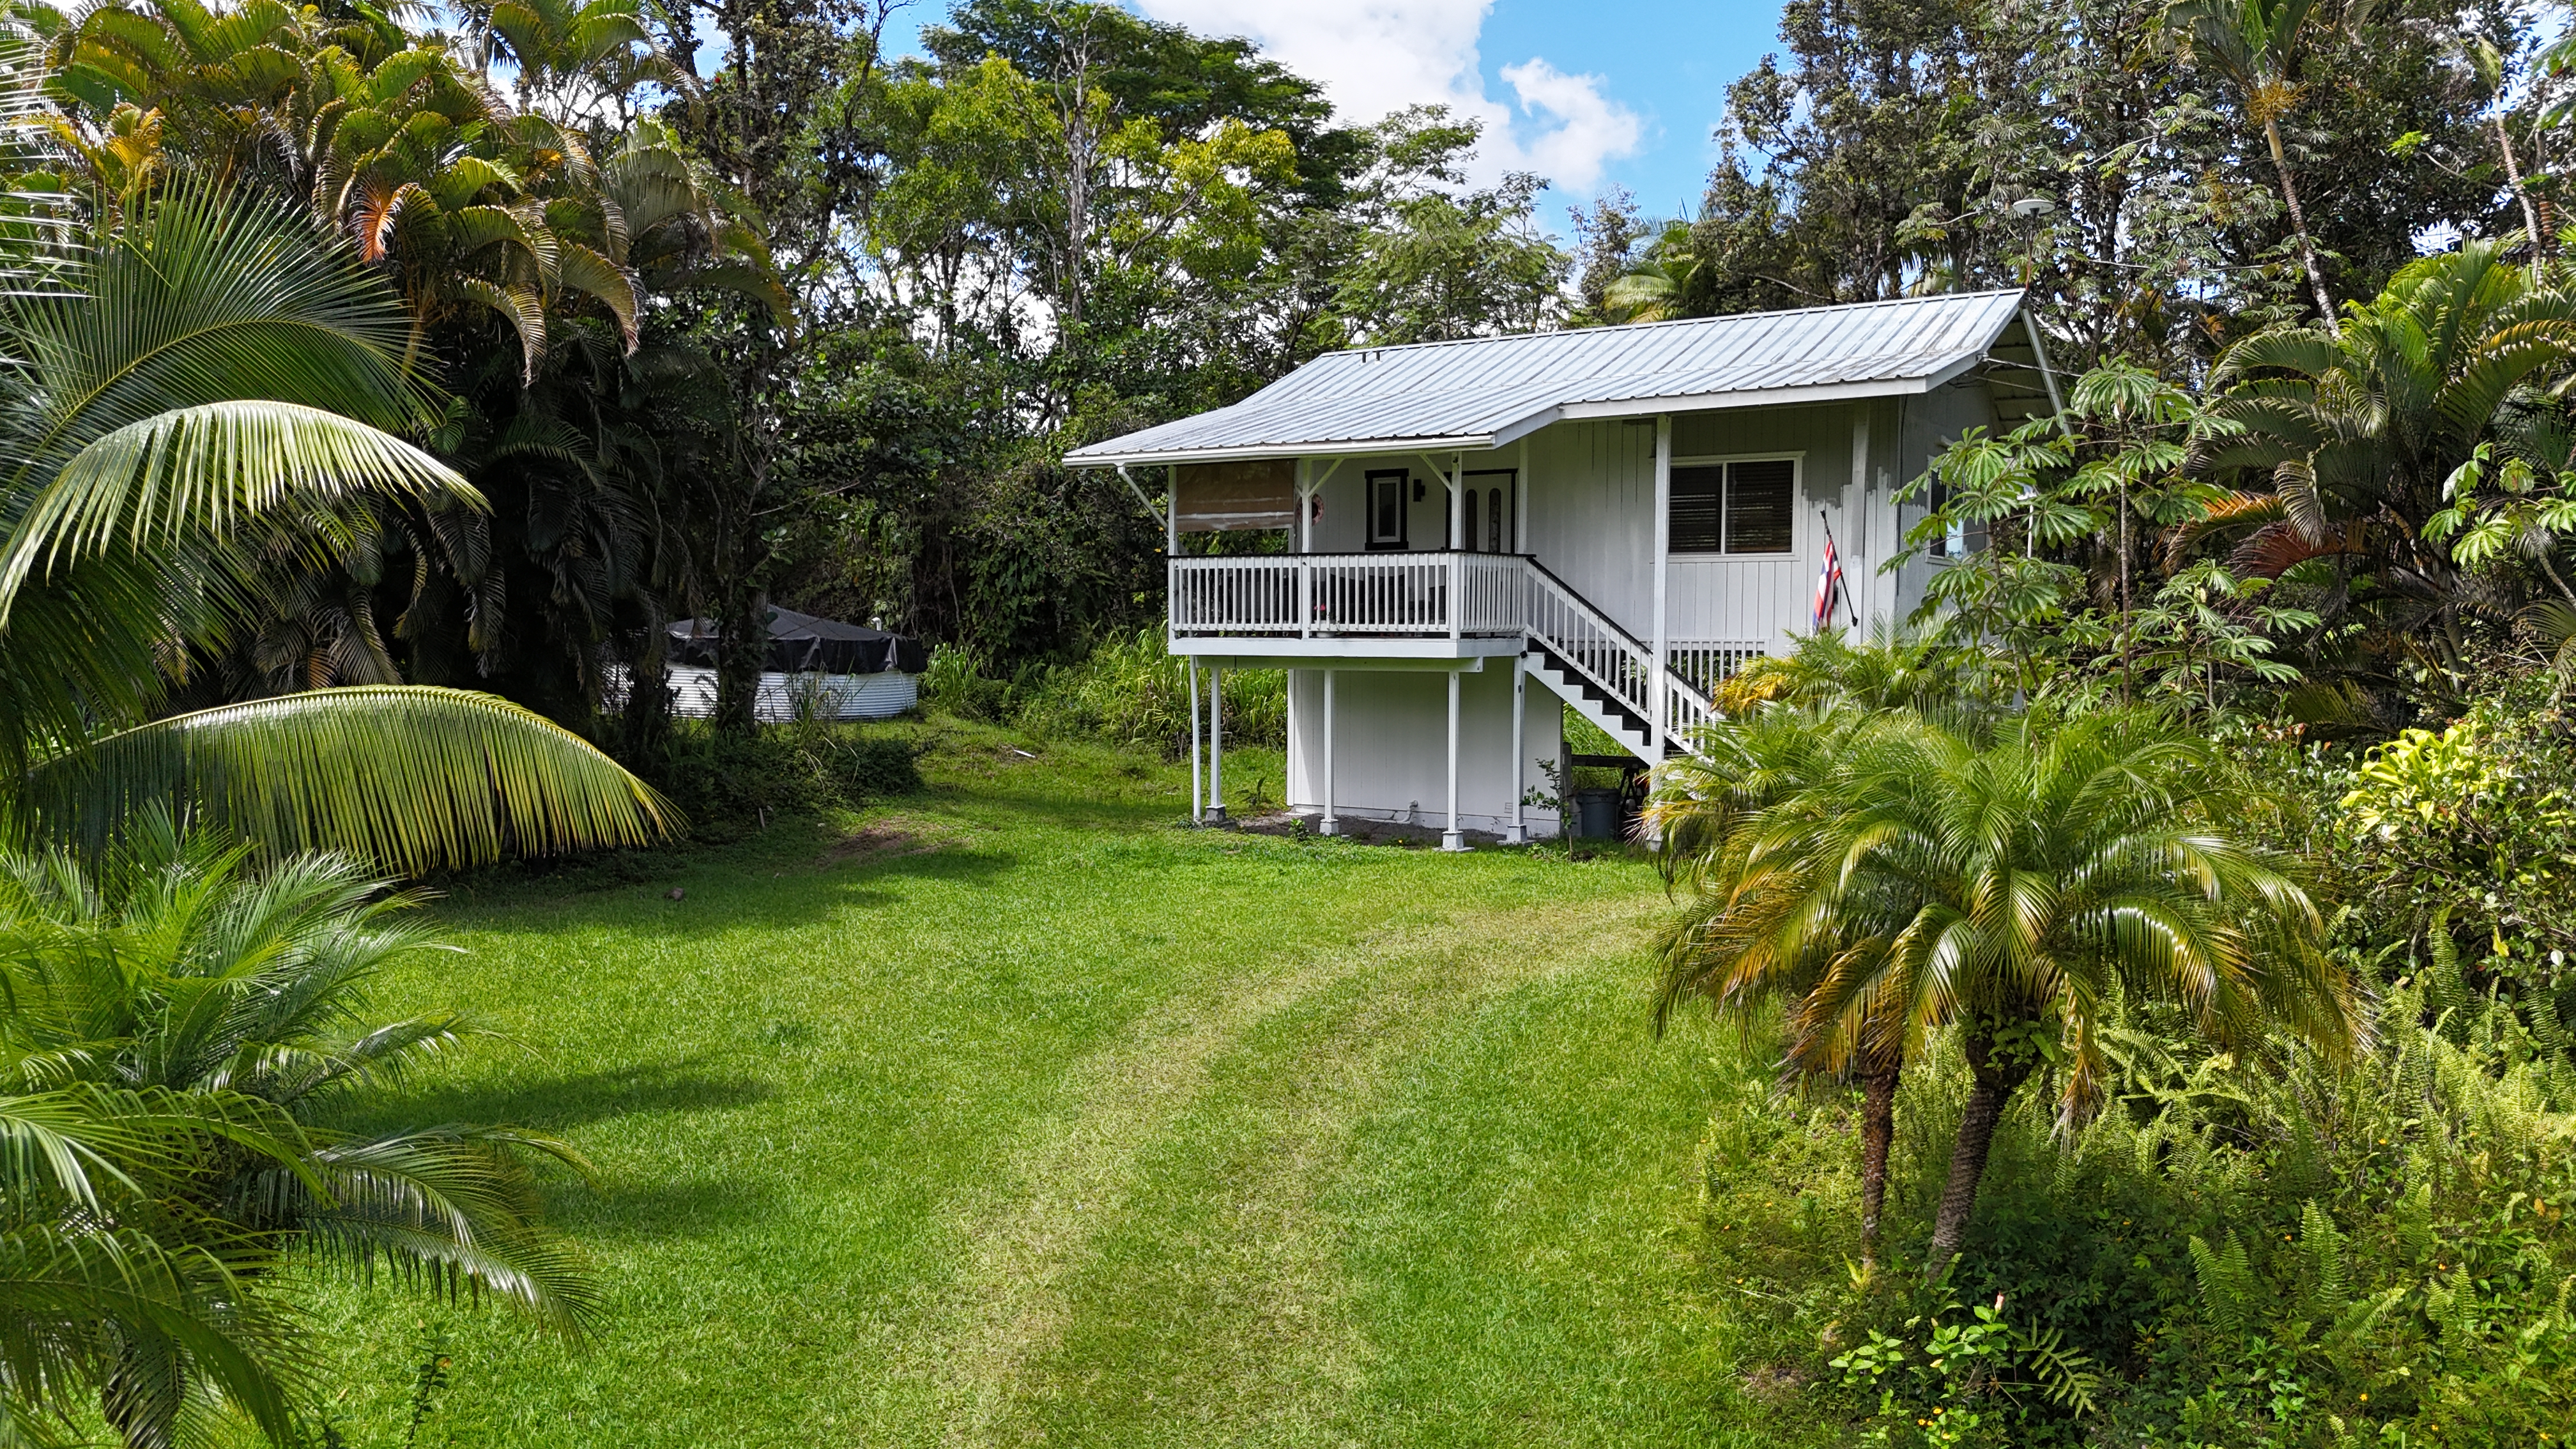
pixel 1488 391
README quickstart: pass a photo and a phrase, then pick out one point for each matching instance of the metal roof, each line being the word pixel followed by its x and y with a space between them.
pixel 1488 391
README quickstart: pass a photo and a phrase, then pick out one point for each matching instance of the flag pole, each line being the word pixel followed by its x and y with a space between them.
pixel 1850 612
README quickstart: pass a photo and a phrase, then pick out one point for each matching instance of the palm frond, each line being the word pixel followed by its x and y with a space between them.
pixel 407 777
pixel 162 483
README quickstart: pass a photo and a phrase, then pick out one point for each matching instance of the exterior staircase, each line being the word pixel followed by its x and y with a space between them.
pixel 1613 715
pixel 1604 672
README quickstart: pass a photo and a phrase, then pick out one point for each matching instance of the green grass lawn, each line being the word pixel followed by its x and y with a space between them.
pixel 1014 1113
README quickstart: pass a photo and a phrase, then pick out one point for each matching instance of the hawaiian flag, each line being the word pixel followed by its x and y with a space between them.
pixel 1829 582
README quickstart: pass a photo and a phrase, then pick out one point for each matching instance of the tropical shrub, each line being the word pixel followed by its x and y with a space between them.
pixel 727 782
pixel 2467 835
pixel 2245 1249
pixel 1129 690
pixel 189 1039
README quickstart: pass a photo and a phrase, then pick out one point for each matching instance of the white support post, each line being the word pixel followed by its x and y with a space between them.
pixel 1216 746
pixel 1198 794
pixel 1305 532
pixel 1856 517
pixel 1661 669
pixel 1520 503
pixel 1457 561
pixel 1172 603
pixel 1331 824
pixel 1452 839
pixel 1457 500
pixel 1518 834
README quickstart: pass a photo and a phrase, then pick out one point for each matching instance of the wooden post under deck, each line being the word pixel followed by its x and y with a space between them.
pixel 1331 824
pixel 1198 795
pixel 1216 746
pixel 1452 839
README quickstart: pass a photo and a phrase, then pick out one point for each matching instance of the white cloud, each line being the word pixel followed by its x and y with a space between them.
pixel 1376 56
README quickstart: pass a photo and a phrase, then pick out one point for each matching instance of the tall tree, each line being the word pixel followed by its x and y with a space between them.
pixel 2256 45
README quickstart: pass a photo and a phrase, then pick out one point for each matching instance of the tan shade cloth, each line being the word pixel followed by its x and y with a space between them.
pixel 1222 497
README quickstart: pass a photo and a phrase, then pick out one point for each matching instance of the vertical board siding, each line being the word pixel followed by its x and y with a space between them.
pixel 1592 514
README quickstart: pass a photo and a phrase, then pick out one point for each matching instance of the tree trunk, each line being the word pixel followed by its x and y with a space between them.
pixel 2513 173
pixel 2299 223
pixel 1996 1081
pixel 1877 1132
pixel 742 647
pixel 2124 591
pixel 644 728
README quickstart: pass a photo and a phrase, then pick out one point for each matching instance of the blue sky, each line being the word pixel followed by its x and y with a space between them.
pixel 1591 95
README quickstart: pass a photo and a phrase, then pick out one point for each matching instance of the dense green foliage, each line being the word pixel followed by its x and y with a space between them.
pixel 1127 691
pixel 187 1045
pixel 2301 1227
pixel 731 783
pixel 2247 1245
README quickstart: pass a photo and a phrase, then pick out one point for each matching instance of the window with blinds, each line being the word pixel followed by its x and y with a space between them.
pixel 1760 516
pixel 1699 510
pixel 1746 507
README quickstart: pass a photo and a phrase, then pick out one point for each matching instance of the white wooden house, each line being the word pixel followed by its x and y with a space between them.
pixel 1622 515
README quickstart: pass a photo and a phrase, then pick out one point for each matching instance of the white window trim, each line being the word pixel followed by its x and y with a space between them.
pixel 1797 489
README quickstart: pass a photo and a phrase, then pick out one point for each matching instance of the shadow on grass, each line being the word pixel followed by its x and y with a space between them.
pixel 595 1212
pixel 797 893
pixel 785 887
pixel 558 1104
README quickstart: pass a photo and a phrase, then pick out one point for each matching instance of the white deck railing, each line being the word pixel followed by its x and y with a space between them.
pixel 1432 595
pixel 1326 594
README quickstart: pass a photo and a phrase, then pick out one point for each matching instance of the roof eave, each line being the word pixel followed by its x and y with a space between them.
pixel 1094 457
pixel 1753 398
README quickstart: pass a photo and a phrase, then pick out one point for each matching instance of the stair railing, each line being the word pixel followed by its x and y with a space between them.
pixel 1569 627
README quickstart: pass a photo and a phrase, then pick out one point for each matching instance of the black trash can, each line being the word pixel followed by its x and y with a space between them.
pixel 1596 813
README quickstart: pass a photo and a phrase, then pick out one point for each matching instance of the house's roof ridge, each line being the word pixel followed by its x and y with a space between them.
pixel 1669 322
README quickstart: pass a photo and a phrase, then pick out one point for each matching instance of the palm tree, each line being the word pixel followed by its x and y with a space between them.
pixel 2255 44
pixel 1656 286
pixel 1913 876
pixel 174 973
pixel 200 382
pixel 1746 769
pixel 2359 430
pixel 99 1252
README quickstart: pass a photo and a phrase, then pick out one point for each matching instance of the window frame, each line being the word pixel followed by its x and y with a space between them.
pixel 1797 462
pixel 1403 509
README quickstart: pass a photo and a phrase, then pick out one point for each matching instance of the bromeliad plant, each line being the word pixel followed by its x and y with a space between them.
pixel 200 1030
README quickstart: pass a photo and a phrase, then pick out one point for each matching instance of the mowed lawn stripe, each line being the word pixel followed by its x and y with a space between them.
pixel 1223 1298
pixel 854 1109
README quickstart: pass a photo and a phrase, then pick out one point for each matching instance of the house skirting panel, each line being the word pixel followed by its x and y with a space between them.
pixel 1391 746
